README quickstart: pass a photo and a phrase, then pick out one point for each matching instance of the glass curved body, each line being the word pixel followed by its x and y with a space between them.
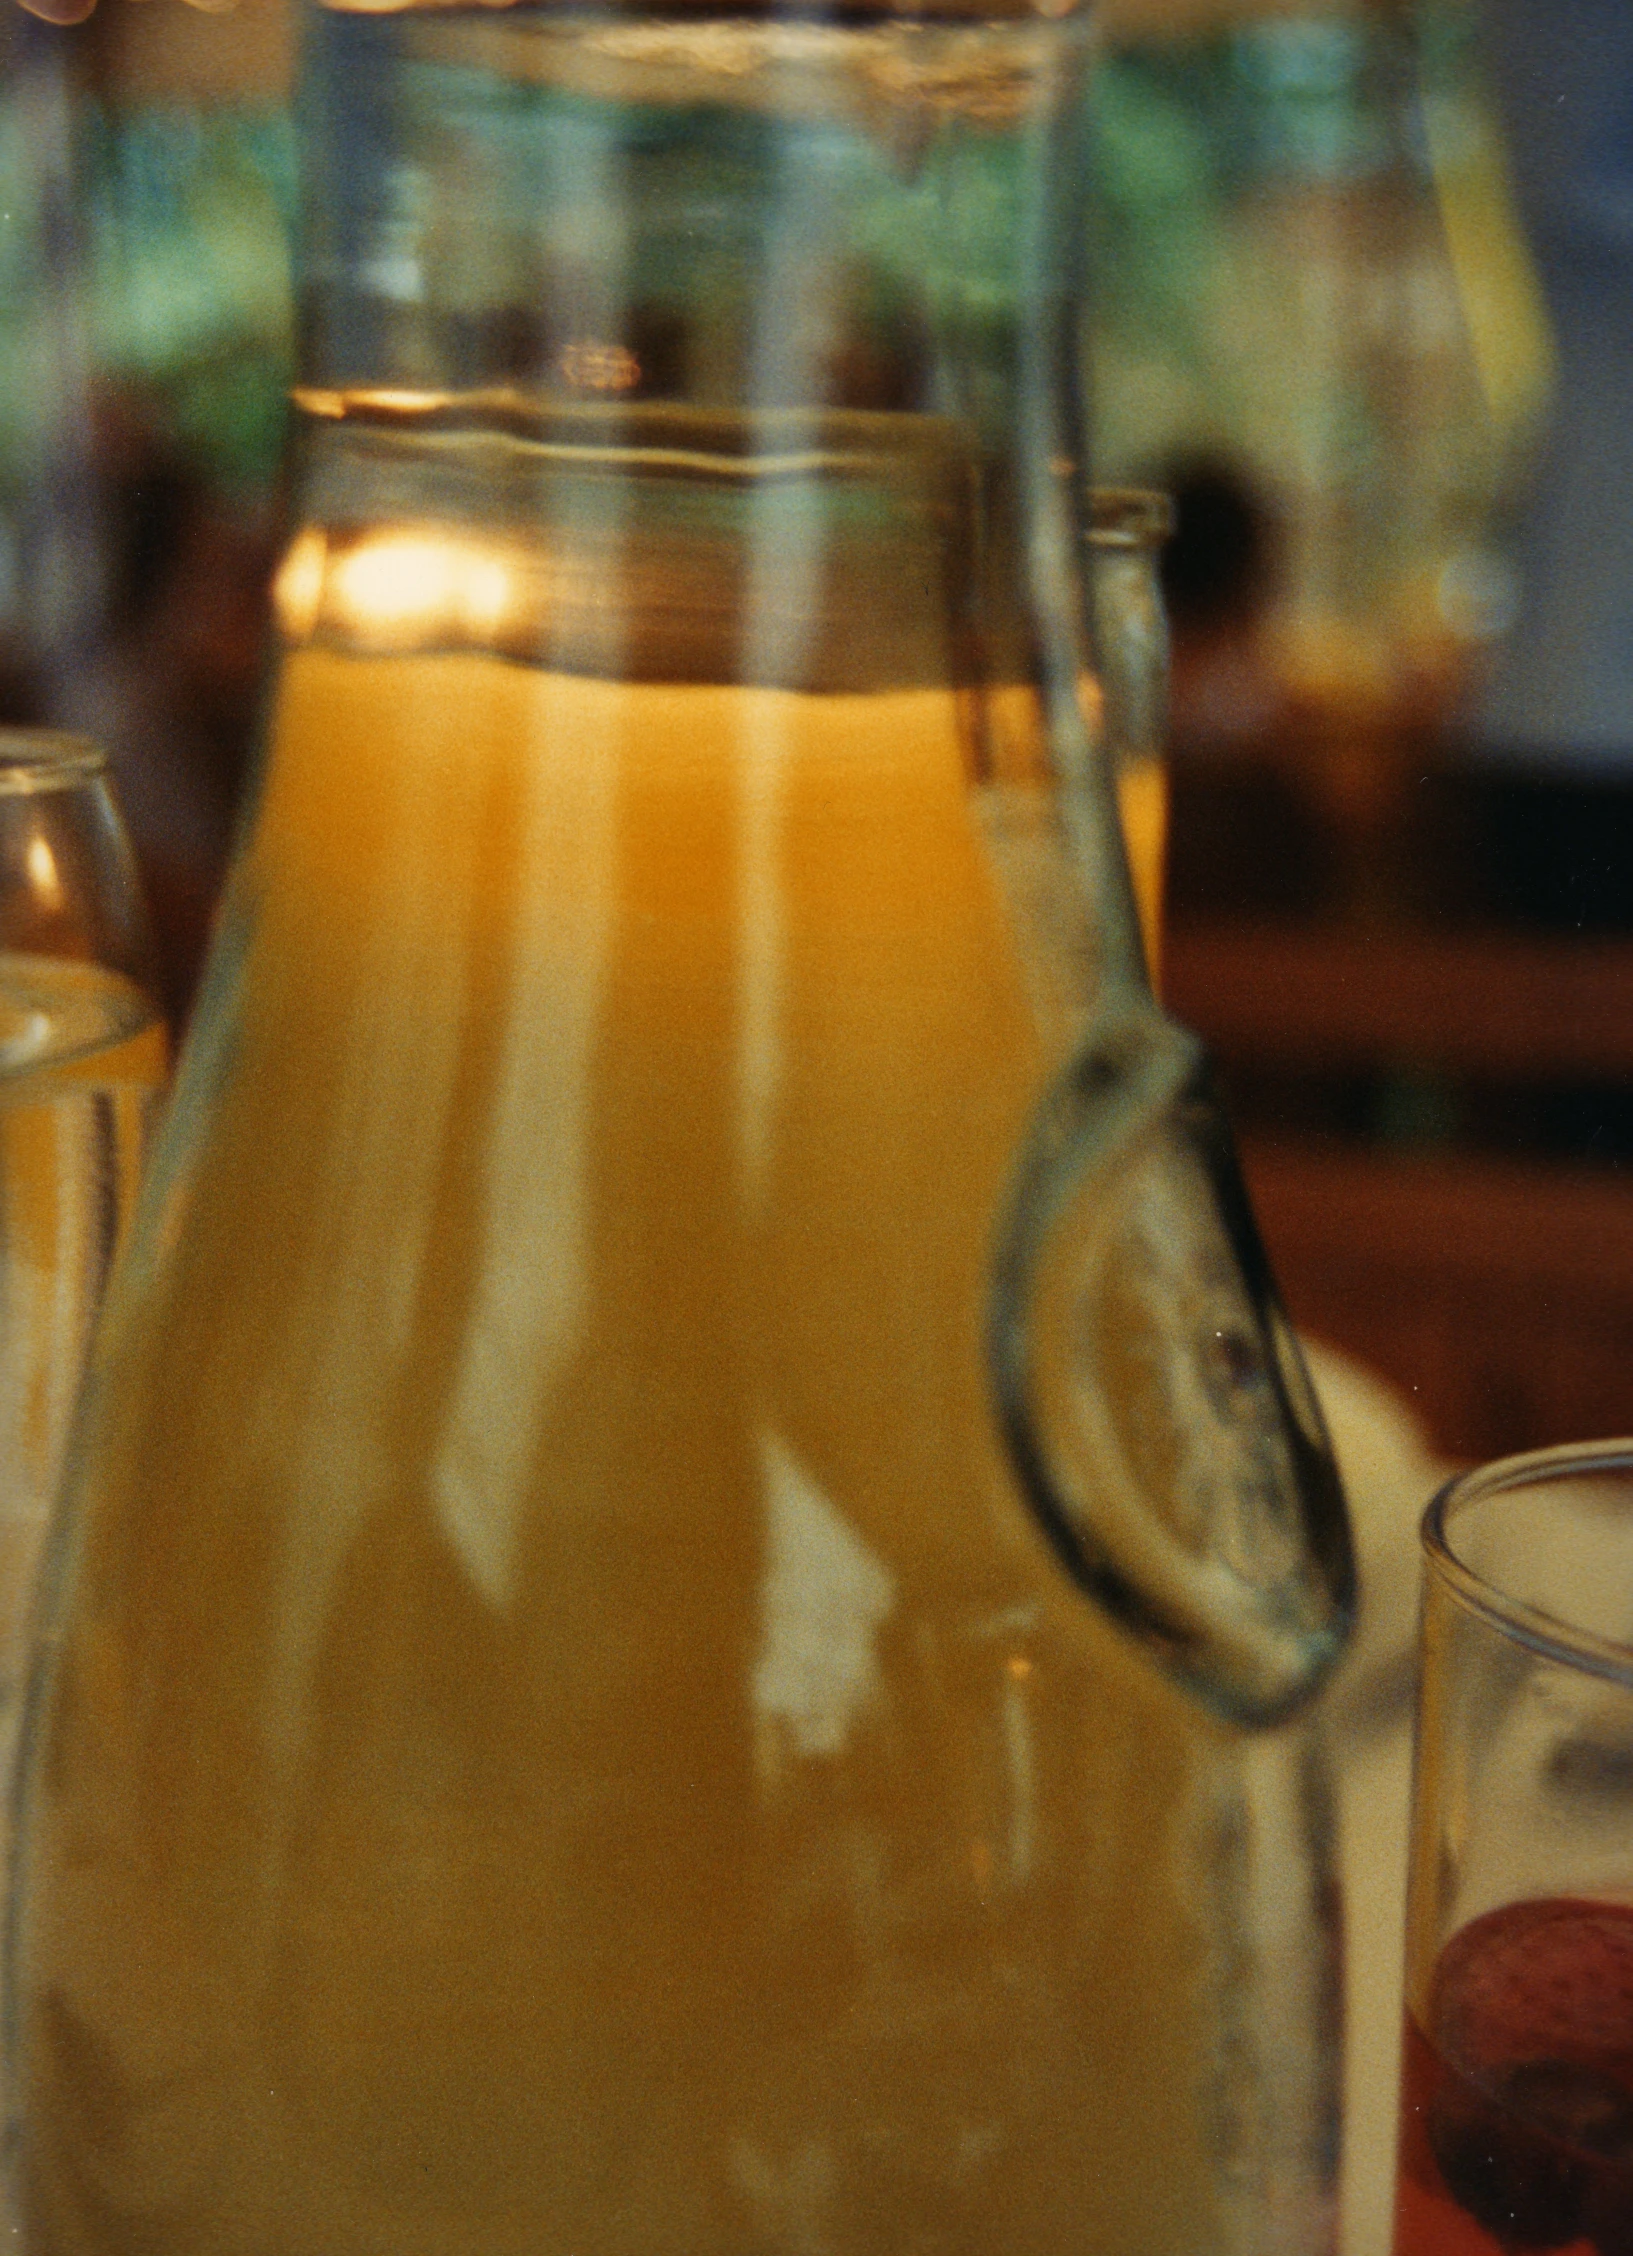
pixel 560 1730
pixel 83 1063
pixel 1517 2103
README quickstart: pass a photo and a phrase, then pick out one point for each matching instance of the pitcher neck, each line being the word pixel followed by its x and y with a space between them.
pixel 752 215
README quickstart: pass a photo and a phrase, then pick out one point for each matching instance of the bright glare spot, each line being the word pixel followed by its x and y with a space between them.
pixel 403 588
pixel 395 582
pixel 298 588
pixel 42 873
pixel 485 595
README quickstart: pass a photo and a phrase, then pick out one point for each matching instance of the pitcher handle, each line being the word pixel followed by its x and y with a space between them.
pixel 1151 1390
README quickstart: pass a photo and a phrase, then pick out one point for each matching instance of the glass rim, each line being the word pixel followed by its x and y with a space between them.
pixel 1517 1618
pixel 47 759
pixel 952 13
pixel 1129 516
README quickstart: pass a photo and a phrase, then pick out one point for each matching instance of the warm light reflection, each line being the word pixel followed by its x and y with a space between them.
pixel 484 591
pixel 400 581
pixel 298 589
pixel 402 588
pixel 592 367
pixel 42 873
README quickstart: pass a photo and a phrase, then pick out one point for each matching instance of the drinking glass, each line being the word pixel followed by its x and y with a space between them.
pixel 1517 2102
pixel 82 1069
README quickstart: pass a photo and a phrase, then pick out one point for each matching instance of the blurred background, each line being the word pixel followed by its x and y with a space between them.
pixel 1363 274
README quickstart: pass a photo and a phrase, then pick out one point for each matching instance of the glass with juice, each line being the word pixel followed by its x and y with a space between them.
pixel 84 1058
pixel 1517 2091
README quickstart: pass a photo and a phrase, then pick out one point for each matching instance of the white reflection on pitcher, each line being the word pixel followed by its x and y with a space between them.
pixel 824 1599
pixel 525 1322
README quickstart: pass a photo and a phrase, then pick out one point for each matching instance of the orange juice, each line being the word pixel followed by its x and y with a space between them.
pixel 566 1741
pixel 1142 804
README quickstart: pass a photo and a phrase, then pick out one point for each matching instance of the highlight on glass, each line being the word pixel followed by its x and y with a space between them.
pixel 83 1058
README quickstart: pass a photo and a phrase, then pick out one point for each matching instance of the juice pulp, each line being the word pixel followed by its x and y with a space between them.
pixel 1517 2102
pixel 563 1738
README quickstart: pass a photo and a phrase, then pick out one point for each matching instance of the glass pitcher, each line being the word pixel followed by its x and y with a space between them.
pixel 694 1533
